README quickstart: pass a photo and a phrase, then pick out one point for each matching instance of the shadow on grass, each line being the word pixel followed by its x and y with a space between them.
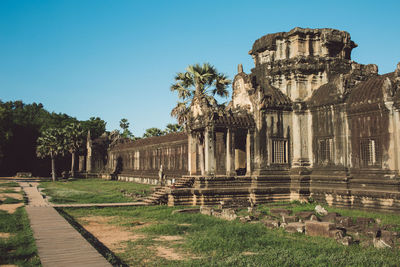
pixel 99 246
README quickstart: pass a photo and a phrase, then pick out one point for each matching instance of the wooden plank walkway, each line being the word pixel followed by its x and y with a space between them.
pixel 58 243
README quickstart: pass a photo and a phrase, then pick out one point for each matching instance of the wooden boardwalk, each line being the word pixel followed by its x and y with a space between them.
pixel 58 243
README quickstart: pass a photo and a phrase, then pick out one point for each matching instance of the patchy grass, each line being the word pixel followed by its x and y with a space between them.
pixel 94 191
pixel 17 246
pixel 208 241
pixel 11 200
pixel 8 191
pixel 9 184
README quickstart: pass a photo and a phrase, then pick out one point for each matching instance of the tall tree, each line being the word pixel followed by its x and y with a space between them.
pixel 201 81
pixel 153 132
pixel 51 143
pixel 124 124
pixel 95 125
pixel 74 135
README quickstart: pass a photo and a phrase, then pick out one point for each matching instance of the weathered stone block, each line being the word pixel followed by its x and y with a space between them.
pixel 314 228
pixel 344 221
pixel 304 215
pixel 320 210
pixel 279 212
pixel 246 219
pixel 271 223
pixel 337 234
pixel 381 243
pixel 389 237
pixel 330 217
pixel 373 232
pixel 228 214
pixel 295 227
pixel 364 222
pixel 289 219
pixel 206 210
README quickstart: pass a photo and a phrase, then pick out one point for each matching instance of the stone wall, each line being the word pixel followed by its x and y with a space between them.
pixel 141 160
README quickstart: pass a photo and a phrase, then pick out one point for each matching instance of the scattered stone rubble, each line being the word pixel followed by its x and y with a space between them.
pixel 345 230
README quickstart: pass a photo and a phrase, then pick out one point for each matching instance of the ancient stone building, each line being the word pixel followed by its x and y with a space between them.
pixel 307 121
pixel 140 160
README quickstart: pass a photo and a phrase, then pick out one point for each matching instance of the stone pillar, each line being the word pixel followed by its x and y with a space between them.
pixel 81 167
pixel 396 118
pixel 391 159
pixel 260 145
pixel 249 152
pixel 301 132
pixel 200 142
pixel 209 151
pixel 192 154
pixel 310 136
pixel 230 153
pixel 220 153
pixel 88 163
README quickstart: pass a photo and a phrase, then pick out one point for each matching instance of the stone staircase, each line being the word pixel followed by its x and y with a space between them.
pixel 160 194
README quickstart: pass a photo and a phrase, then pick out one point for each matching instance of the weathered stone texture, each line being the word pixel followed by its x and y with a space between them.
pixel 306 122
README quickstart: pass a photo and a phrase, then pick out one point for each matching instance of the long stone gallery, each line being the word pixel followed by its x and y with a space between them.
pixel 306 122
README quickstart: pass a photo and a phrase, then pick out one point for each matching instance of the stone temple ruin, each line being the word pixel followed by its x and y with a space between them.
pixel 306 122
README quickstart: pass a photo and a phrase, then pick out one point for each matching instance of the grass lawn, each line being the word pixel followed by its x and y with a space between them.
pixel 160 238
pixel 94 191
pixel 17 245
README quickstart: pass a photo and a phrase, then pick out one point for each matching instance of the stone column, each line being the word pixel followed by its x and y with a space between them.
pixel 391 159
pixel 192 155
pixel 220 153
pixel 260 145
pixel 209 151
pixel 81 164
pixel 301 134
pixel 89 164
pixel 310 136
pixel 200 142
pixel 249 152
pixel 396 118
pixel 230 153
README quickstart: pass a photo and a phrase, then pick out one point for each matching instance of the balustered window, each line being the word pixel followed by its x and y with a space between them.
pixel 325 151
pixel 370 155
pixel 279 151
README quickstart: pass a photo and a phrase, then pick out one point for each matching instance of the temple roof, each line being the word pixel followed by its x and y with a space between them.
pixel 172 137
pixel 234 120
pixel 268 42
pixel 326 94
pixel 274 98
pixel 368 93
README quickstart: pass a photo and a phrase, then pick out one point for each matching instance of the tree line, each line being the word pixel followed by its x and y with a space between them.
pixel 20 127
pixel 29 133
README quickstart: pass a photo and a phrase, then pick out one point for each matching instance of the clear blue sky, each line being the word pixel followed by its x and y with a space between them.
pixel 117 59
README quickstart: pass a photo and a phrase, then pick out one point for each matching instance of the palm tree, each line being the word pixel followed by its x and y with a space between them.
pixel 173 128
pixel 51 143
pixel 153 132
pixel 199 81
pixel 74 135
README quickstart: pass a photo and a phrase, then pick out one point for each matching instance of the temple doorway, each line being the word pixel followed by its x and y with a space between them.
pixel 240 152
